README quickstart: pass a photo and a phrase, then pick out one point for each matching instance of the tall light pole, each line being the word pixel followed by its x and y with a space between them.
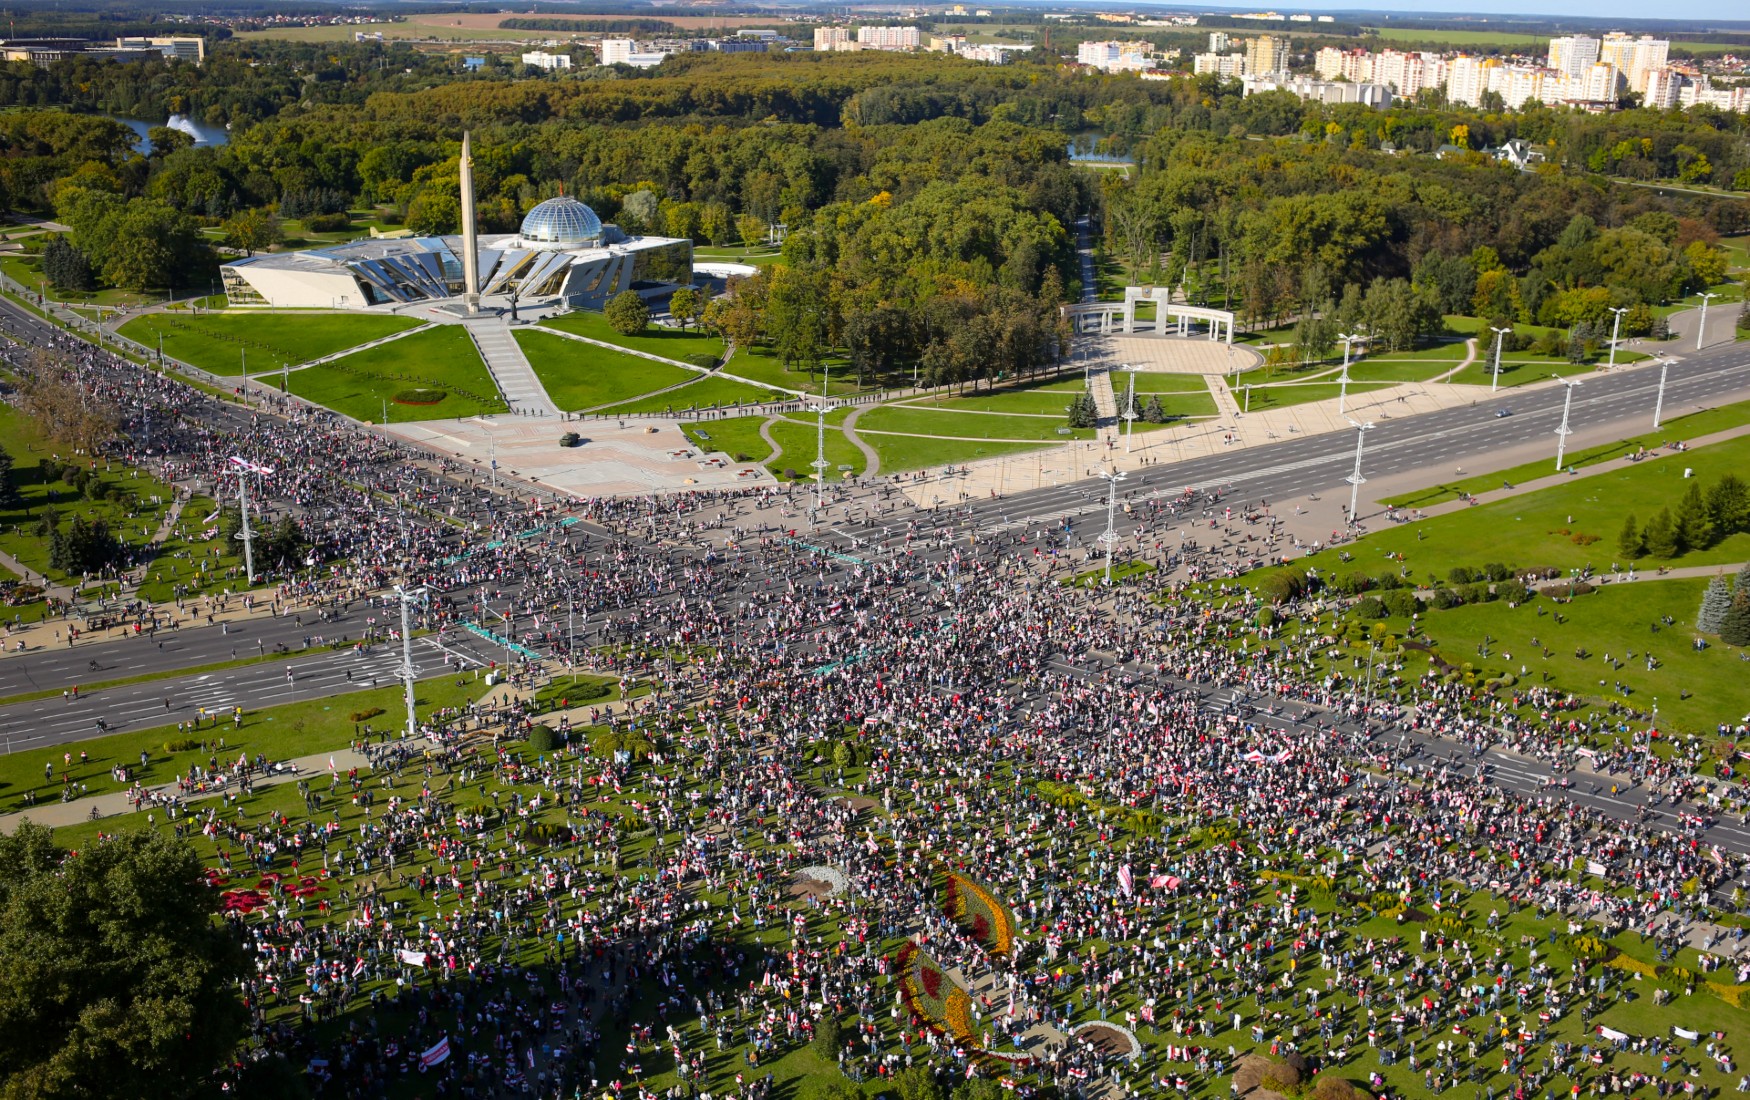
pixel 1110 538
pixel 243 357
pixel 1562 433
pixel 1343 379
pixel 1130 407
pixel 820 462
pixel 1355 479
pixel 244 532
pixel 1616 327
pixel 1500 338
pixel 1701 329
pixel 407 671
pixel 1659 405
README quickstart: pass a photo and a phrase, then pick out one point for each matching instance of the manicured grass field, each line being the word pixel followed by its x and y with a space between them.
pixel 798 440
pixel 1695 689
pixel 222 342
pixel 758 364
pixel 968 425
pixel 583 376
pixel 900 452
pixel 190 565
pixel 666 342
pixel 1676 428
pixel 442 357
pixel 704 392
pixel 734 436
pixel 1283 396
pixel 1549 528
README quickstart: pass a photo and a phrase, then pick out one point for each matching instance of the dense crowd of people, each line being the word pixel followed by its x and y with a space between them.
pixel 1214 847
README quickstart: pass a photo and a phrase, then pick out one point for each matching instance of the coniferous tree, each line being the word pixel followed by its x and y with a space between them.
pixel 1735 626
pixel 1715 602
pixel 1629 541
pixel 1660 535
pixel 1695 525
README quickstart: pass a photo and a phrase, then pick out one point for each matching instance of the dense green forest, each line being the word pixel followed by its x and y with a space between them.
pixel 921 193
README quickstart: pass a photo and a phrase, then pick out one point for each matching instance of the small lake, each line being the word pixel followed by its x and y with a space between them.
pixel 1085 149
pixel 200 131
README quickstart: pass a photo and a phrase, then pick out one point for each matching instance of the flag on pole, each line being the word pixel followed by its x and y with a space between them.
pixel 1125 882
pixel 253 467
pixel 438 1052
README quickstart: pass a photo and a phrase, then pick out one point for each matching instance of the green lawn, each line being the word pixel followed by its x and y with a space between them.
pixel 1551 527
pixel 222 342
pixel 189 564
pixel 734 436
pixel 583 376
pixel 442 357
pixel 903 452
pixel 758 364
pixel 968 425
pixel 705 392
pixel 1695 689
pixel 1282 396
pixel 1675 428
pixel 798 440
pixel 688 347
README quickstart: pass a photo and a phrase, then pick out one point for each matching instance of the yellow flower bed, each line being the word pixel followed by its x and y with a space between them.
pixel 958 1017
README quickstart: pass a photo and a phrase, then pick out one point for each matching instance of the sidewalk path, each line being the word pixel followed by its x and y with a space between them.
pixel 869 453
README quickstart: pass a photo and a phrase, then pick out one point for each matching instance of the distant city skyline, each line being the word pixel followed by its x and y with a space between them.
pixel 1731 11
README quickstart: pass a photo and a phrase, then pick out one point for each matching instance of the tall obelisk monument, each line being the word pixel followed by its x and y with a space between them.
pixel 470 242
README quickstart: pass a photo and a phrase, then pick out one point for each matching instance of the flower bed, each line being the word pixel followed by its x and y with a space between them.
pixel 946 1009
pixel 979 911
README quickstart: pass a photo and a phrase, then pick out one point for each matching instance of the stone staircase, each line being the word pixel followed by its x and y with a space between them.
pixel 510 368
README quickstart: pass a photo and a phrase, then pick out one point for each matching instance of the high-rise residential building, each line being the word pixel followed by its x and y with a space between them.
pixel 1573 54
pixel 1408 73
pixel 889 38
pixel 827 39
pixel 1664 88
pixel 1634 57
pixel 1218 41
pixel 1467 78
pixel 1266 53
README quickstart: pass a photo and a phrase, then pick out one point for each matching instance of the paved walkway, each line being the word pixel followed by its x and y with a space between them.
pixel 510 368
pixel 1470 356
pixel 54 815
pixel 870 456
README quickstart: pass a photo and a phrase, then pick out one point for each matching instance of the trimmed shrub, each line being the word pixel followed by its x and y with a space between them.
pixel 542 738
pixel 365 715
pixel 171 748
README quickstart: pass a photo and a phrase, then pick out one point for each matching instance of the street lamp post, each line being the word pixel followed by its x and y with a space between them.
pixel 820 462
pixel 1343 379
pixel 1659 404
pixel 1355 479
pixel 1562 433
pixel 1110 538
pixel 1130 407
pixel 1701 329
pixel 1616 327
pixel 1500 338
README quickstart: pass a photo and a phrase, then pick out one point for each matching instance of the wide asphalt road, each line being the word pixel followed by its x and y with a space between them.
pixel 1438 442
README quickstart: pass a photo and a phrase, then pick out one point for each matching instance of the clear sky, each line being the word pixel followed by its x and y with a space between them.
pixel 1733 10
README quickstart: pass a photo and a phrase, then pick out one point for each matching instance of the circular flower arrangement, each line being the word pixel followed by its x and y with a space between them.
pixel 941 1005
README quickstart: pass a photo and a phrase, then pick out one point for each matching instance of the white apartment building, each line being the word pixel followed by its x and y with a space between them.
pixel 889 38
pixel 1664 88
pixel 1377 96
pixel 624 51
pixel 1408 73
pixel 1228 66
pixel 1115 57
pixel 541 59
pixel 1218 41
pixel 1634 57
pixel 828 39
pixel 1573 54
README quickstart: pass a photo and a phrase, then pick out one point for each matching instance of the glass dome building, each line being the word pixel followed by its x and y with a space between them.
pixel 561 224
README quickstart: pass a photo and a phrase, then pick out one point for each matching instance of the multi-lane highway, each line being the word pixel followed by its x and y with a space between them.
pixel 1438 442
